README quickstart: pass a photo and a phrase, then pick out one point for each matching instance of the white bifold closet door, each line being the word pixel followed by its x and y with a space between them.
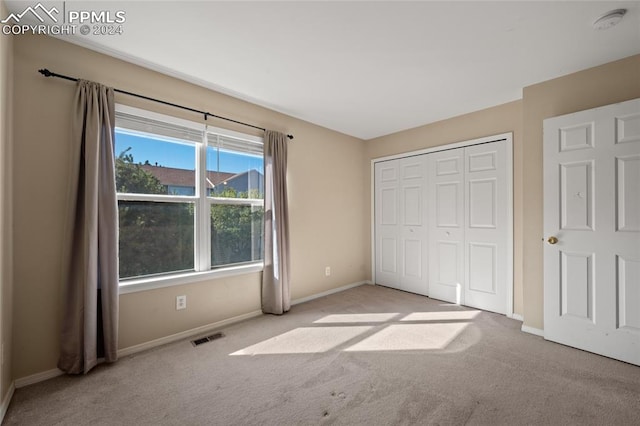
pixel 486 231
pixel 468 226
pixel 386 222
pixel 401 240
pixel 446 225
pixel 441 225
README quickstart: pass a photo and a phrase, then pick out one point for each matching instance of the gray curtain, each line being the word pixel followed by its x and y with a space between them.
pixel 276 298
pixel 90 313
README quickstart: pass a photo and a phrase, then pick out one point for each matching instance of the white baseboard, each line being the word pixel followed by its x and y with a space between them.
pixel 532 330
pixel 186 334
pixel 38 377
pixel 211 327
pixel 6 401
pixel 516 317
pixel 45 375
pixel 328 292
pixel 50 374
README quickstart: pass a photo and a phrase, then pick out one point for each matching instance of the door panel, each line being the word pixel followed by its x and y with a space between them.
pixel 628 193
pixel 389 254
pixel 413 257
pixel 628 277
pixel 447 165
pixel 628 128
pixel 448 255
pixel 482 161
pixel 483 267
pixel 412 208
pixel 389 206
pixel 579 136
pixel 448 212
pixel 445 284
pixel 576 195
pixel 483 203
pixel 592 207
pixel 576 285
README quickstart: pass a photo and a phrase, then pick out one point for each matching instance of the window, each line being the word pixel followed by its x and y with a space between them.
pixel 237 199
pixel 190 197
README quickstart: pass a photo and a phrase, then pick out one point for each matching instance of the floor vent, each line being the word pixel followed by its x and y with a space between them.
pixel 206 339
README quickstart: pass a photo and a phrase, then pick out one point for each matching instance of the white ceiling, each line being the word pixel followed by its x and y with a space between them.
pixel 364 68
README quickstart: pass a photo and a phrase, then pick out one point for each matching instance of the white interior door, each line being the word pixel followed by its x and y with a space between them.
pixel 413 229
pixel 486 227
pixel 387 222
pixel 446 225
pixel 592 230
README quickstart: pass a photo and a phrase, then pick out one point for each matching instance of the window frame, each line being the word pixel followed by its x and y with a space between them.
pixel 202 209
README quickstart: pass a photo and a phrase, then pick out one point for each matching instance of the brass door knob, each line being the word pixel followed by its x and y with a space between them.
pixel 552 240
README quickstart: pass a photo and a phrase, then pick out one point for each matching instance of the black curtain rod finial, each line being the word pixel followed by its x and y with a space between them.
pixel 47 73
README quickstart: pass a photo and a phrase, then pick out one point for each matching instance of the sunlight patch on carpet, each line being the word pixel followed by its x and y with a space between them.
pixel 347 318
pixel 403 337
pixel 440 316
pixel 305 340
pixel 382 331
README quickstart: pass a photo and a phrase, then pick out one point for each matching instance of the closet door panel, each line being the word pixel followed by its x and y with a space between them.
pixel 387 220
pixel 413 227
pixel 446 224
pixel 486 226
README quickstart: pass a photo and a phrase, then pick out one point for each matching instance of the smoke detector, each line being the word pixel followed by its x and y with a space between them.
pixel 609 19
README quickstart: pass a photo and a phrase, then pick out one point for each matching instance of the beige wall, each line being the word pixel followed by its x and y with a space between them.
pixel 6 228
pixel 327 203
pixel 329 181
pixel 491 121
pixel 610 83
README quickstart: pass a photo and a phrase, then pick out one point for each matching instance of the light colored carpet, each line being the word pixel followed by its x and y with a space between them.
pixel 369 355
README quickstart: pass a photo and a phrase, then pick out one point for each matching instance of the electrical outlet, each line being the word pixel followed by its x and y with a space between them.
pixel 181 302
pixel 327 271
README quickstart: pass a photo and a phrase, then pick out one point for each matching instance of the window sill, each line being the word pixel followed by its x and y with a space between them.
pixel 142 284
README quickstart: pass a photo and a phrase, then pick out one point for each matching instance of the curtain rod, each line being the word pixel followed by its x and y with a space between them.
pixel 48 73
